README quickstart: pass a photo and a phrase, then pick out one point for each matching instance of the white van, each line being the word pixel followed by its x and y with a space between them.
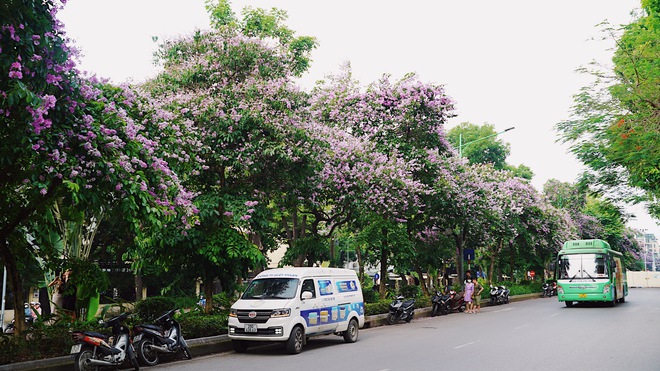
pixel 292 304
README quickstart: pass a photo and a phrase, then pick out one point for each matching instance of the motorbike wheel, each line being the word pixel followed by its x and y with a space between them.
pixel 132 358
pixel 392 319
pixel 147 355
pixel 351 333
pixel 295 343
pixel 409 318
pixel 434 311
pixel 80 361
pixel 445 309
pixel 184 347
pixel 462 308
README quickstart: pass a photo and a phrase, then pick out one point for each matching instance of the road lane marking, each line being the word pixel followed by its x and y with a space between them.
pixel 523 326
pixel 466 344
pixel 556 314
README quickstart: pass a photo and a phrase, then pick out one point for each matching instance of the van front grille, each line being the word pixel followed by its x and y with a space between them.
pixel 261 316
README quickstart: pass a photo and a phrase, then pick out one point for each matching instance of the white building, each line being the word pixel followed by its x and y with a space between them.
pixel 650 249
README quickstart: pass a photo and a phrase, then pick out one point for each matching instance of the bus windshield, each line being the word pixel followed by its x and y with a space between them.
pixel 271 288
pixel 583 266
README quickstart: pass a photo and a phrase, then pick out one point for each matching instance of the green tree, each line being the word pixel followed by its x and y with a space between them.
pixel 479 144
pixel 613 127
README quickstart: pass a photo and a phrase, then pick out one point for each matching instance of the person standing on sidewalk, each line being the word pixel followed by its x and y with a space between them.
pixel 469 290
pixel 478 289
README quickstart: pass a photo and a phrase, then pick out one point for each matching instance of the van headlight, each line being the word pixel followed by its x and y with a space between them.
pixel 277 313
pixel 233 313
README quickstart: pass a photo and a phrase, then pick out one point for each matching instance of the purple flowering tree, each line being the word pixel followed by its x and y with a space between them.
pixel 404 121
pixel 227 106
pixel 67 138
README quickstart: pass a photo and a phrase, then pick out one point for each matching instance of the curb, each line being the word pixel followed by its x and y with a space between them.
pixel 214 344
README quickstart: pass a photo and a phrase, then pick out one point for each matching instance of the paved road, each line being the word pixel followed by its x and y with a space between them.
pixel 539 334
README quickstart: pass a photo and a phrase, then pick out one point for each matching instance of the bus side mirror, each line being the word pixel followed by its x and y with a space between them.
pixel 552 266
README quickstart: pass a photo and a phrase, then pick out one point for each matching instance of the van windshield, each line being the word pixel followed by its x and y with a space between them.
pixel 271 288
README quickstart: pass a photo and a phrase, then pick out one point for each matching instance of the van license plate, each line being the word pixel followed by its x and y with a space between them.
pixel 250 328
pixel 583 295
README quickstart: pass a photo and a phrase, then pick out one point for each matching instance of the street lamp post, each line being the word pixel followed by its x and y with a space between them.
pixel 461 144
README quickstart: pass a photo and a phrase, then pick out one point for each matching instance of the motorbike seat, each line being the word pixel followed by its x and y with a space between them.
pixel 408 303
pixel 96 335
pixel 152 327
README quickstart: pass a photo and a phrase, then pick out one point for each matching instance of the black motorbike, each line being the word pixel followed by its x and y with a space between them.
pixel 499 295
pixel 549 289
pixel 162 337
pixel 401 310
pixel 93 350
pixel 439 303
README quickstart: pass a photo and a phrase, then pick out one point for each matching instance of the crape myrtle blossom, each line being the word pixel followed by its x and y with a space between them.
pixel 353 172
pixel 226 125
pixel 64 129
pixel 395 116
pixel 69 138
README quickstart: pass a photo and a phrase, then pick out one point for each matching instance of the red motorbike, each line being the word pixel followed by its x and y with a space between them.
pixel 456 302
pixel 94 349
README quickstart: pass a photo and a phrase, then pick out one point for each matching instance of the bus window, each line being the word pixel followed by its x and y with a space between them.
pixel 583 266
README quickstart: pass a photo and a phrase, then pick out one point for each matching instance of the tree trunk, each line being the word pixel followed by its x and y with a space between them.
pixel 16 285
pixel 138 287
pixel 207 281
pixel 422 281
pixel 491 271
pixel 512 257
pixel 460 239
pixel 358 254
pixel 383 264
pixel 332 251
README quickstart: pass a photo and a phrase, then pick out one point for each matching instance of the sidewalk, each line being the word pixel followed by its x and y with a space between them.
pixel 213 344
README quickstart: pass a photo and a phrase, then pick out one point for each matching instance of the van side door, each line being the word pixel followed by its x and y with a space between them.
pixel 310 307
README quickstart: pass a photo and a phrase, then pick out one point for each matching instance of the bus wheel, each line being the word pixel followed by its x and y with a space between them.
pixel 569 304
pixel 614 300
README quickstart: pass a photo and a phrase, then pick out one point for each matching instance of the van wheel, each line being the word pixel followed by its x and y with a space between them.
pixel 351 333
pixel 295 343
pixel 240 346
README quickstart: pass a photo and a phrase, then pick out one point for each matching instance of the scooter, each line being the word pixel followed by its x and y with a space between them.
pixel 93 350
pixel 28 320
pixel 164 336
pixel 499 295
pixel 401 310
pixel 549 289
pixel 456 301
pixel 440 303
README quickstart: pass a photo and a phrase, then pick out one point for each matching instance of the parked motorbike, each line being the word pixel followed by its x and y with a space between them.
pixel 164 336
pixel 93 350
pixel 401 310
pixel 549 289
pixel 440 303
pixel 456 301
pixel 28 319
pixel 499 295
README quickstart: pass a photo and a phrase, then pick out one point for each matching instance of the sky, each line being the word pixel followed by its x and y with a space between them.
pixel 505 63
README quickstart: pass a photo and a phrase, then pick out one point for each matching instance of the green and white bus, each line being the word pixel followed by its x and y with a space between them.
pixel 589 270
